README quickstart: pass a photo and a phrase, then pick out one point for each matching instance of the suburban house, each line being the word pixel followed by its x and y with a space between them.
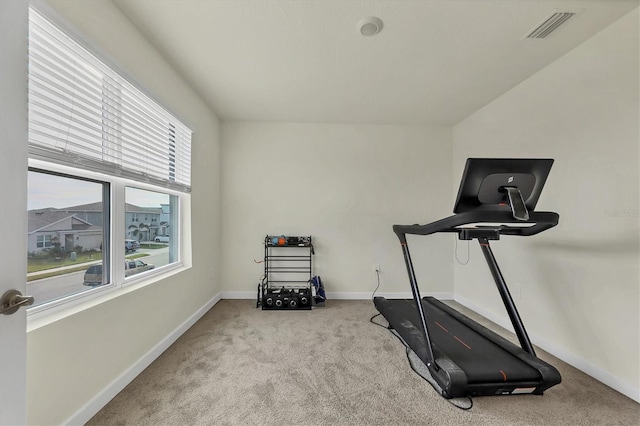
pixel 82 226
pixel 49 227
pixel 144 223
pixel 299 124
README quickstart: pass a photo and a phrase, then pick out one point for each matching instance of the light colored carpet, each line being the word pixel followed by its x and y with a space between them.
pixel 239 365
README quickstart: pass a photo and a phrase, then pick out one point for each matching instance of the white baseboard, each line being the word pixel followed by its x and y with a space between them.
pixel 348 295
pixel 581 364
pixel 341 295
pixel 239 294
pixel 91 408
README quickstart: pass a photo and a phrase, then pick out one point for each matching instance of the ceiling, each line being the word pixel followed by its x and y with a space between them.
pixel 434 62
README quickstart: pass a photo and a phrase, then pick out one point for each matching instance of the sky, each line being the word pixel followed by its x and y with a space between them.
pixel 47 190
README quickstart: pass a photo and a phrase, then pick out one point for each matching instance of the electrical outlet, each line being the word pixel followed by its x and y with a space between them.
pixel 376 267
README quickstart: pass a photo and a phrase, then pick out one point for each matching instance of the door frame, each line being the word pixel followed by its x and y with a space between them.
pixel 14 25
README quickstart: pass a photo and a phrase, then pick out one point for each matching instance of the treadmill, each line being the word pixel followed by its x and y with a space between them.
pixel 497 196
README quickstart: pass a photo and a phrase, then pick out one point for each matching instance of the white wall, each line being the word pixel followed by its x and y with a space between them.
pixel 73 360
pixel 346 185
pixel 579 282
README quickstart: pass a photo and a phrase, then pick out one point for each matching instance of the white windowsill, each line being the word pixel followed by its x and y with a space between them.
pixel 44 315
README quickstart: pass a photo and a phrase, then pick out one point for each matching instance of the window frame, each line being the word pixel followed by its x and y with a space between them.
pixel 118 283
pixel 51 311
pixel 46 242
pixel 175 221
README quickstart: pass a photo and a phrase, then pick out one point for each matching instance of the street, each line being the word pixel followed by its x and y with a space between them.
pixel 47 289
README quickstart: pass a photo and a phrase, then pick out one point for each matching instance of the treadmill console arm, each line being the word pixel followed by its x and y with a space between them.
pixel 400 231
pixel 518 207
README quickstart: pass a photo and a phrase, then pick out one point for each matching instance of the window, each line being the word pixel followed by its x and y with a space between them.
pixel 66 234
pixel 160 242
pixel 101 153
pixel 43 241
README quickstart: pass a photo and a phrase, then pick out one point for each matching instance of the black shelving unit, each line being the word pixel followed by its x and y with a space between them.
pixel 286 282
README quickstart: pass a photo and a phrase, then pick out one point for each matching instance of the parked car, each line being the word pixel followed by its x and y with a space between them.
pixel 131 245
pixel 132 267
pixel 161 239
pixel 93 275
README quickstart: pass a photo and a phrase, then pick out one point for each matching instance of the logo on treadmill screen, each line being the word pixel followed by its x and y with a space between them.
pixel 510 179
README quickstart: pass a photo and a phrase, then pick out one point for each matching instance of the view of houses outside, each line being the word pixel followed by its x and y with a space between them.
pixel 65 232
pixel 146 223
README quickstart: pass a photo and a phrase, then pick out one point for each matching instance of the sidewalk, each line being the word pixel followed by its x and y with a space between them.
pixel 63 268
pixel 75 265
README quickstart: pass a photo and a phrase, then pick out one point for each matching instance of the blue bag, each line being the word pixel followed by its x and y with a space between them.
pixel 320 295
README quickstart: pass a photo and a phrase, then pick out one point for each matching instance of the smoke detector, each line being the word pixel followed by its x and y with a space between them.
pixel 549 24
pixel 370 26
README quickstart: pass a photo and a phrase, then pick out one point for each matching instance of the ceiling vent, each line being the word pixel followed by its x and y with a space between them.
pixel 549 24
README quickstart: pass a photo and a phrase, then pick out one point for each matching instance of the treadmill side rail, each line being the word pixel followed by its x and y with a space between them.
pixel 549 375
pixel 450 377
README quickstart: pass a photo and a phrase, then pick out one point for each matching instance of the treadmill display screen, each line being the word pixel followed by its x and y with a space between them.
pixel 484 181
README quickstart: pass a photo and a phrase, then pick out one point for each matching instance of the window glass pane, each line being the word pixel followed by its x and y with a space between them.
pixel 65 235
pixel 150 230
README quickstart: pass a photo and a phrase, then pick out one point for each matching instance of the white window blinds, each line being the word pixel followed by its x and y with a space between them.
pixel 84 114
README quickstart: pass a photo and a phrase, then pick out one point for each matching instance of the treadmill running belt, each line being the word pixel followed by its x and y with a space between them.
pixel 482 360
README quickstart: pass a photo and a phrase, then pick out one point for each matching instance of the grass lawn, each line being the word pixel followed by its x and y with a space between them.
pixel 35 265
pixel 135 256
pixel 42 265
pixel 55 273
pixel 153 246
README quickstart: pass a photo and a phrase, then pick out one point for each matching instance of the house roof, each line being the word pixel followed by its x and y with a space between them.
pixel 90 207
pixel 97 207
pixel 41 219
pixel 132 208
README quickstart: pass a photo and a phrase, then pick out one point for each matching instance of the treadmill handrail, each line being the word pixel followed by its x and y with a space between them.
pixel 540 221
